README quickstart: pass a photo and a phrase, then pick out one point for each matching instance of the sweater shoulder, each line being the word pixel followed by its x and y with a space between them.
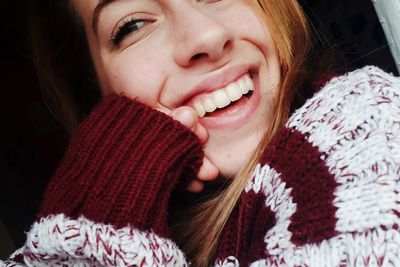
pixel 354 121
pixel 362 96
pixel 369 77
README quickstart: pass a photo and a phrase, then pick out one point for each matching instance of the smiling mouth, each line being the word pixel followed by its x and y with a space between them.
pixel 225 97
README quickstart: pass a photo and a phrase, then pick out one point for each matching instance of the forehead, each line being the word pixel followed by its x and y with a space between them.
pixel 90 10
pixel 98 5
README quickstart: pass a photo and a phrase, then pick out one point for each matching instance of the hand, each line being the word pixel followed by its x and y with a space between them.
pixel 189 118
pixel 123 163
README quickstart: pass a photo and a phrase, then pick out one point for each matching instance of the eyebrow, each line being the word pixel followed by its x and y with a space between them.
pixel 96 13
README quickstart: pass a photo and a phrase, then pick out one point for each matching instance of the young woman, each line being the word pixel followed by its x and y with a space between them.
pixel 199 90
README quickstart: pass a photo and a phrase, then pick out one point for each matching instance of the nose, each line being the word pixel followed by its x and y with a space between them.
pixel 200 37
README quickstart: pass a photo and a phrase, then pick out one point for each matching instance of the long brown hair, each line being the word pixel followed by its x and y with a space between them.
pixel 61 55
pixel 199 235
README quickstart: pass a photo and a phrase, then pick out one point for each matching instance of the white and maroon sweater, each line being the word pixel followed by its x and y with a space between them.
pixel 326 192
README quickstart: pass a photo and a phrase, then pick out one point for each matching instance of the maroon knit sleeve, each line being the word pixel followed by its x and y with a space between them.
pixel 121 166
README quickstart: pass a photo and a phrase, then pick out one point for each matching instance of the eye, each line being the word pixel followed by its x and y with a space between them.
pixel 126 28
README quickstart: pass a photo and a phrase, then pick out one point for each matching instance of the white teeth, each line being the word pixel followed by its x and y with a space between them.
pixel 209 105
pixel 243 86
pixel 233 92
pixel 249 83
pixel 223 97
pixel 199 109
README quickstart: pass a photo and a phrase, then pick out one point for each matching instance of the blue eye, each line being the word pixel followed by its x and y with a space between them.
pixel 126 28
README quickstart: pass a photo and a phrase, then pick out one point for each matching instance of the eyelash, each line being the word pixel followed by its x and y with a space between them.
pixel 125 29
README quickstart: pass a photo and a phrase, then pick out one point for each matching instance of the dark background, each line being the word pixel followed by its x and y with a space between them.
pixel 32 143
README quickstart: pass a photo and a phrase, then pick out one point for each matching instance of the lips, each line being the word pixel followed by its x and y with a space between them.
pixel 221 98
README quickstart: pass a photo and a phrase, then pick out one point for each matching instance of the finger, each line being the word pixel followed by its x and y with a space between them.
pixel 207 171
pixel 201 132
pixel 186 116
pixel 189 118
pixel 195 186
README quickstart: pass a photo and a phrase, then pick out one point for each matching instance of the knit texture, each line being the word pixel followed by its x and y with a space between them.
pixel 325 193
pixel 331 178
pixel 122 165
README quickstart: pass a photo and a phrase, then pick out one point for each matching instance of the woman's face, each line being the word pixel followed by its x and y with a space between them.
pixel 206 54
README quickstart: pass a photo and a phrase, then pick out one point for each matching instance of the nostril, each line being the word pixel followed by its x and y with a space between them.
pixel 227 45
pixel 212 50
pixel 198 57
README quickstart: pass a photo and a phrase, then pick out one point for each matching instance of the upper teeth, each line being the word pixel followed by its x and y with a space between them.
pixel 223 97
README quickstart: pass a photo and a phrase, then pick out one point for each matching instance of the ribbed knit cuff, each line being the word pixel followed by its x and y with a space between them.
pixel 121 166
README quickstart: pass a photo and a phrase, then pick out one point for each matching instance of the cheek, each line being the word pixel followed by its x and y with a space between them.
pixel 257 33
pixel 253 30
pixel 140 78
pixel 243 17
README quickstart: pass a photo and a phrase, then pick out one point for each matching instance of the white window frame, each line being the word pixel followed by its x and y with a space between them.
pixel 389 15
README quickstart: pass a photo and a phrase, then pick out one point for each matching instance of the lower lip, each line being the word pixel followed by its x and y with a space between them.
pixel 237 114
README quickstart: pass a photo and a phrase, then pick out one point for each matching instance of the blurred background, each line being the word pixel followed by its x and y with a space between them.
pixel 32 143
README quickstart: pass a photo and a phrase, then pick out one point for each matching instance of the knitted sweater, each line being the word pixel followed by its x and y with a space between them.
pixel 325 193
